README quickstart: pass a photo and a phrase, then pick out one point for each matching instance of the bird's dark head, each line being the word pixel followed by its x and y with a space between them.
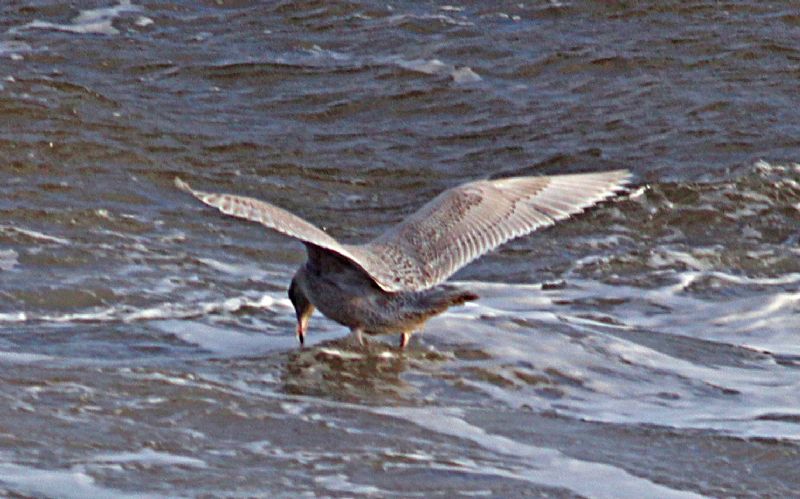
pixel 302 307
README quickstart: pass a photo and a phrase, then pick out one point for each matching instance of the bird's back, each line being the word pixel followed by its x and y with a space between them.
pixel 346 294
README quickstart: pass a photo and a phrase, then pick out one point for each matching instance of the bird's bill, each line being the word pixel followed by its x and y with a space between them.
pixel 301 333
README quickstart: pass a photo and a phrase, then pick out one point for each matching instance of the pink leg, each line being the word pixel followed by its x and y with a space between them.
pixel 358 338
pixel 404 340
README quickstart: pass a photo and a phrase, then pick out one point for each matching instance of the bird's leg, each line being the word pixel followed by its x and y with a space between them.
pixel 404 340
pixel 358 337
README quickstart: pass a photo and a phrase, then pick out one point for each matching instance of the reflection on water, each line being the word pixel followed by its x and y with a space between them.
pixel 372 375
pixel 648 348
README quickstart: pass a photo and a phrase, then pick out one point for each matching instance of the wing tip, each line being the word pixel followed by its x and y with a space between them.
pixel 180 184
pixel 617 181
pixel 618 184
pixel 621 177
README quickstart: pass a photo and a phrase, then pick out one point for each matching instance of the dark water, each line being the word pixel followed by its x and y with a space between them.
pixel 649 348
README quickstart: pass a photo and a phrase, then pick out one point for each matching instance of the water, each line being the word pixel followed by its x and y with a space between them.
pixel 648 348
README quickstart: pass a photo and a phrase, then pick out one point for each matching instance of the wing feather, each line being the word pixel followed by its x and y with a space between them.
pixel 270 216
pixel 470 220
pixel 447 233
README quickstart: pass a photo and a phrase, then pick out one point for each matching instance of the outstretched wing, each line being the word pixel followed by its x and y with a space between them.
pixel 268 215
pixel 454 228
pixel 464 222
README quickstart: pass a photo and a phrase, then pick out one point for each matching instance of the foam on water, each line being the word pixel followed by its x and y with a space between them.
pixel 143 21
pixel 317 56
pixel 13 50
pixel 620 364
pixel 223 341
pixel 339 483
pixel 36 235
pixel 8 259
pixel 23 358
pixel 536 464
pixel 463 74
pixel 70 483
pixel 91 21
pixel 249 271
pixel 430 18
pixel 148 456
pixel 323 54
pixel 767 321
pixel 166 310
pixel 523 462
pixel 13 317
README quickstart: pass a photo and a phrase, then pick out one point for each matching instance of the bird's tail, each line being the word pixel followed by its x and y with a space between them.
pixel 450 296
pixel 462 297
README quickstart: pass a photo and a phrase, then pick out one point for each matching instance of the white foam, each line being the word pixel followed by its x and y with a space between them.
pixel 143 21
pixel 335 352
pixel 14 50
pixel 68 483
pixel 172 310
pixel 339 483
pixel 161 311
pixel 666 257
pixel 103 315
pixel 8 259
pixel 249 271
pixel 13 317
pixel 430 67
pixel 513 17
pixel 538 465
pixel 91 21
pixel 259 446
pixel 318 51
pixel 325 57
pixel 172 380
pixel 23 357
pixel 615 379
pixel 435 67
pixel 8 229
pixel 150 457
pixel 765 167
pixel 439 18
pixel 464 75
pixel 228 342
pixel 225 341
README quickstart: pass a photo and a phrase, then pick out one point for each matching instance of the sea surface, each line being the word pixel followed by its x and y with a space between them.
pixel 648 348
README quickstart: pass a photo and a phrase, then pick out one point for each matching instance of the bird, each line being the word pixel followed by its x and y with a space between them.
pixel 396 282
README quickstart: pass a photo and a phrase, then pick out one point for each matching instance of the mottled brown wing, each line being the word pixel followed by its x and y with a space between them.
pixel 467 221
pixel 268 215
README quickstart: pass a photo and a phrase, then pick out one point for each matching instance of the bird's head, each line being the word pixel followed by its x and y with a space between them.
pixel 302 307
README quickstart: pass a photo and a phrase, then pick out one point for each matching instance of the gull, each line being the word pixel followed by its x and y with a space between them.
pixel 396 282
